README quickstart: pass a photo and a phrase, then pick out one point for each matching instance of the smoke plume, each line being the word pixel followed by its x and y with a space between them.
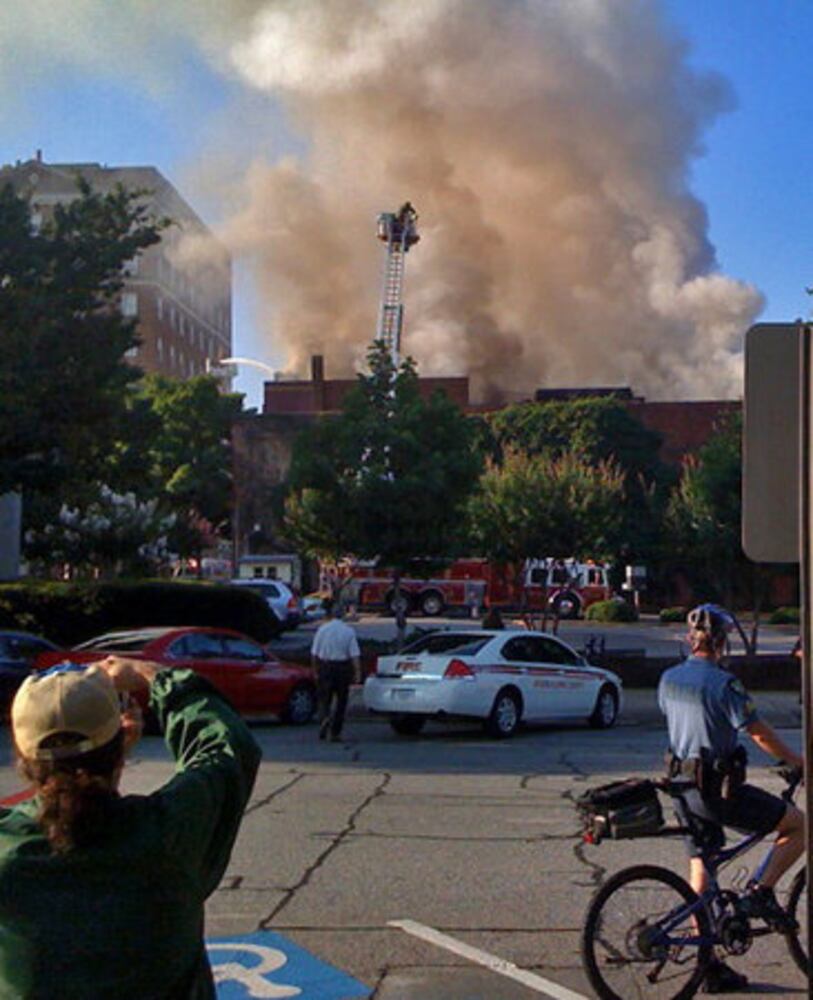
pixel 547 145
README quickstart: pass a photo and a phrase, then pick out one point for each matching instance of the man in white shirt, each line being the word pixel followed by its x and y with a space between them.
pixel 336 658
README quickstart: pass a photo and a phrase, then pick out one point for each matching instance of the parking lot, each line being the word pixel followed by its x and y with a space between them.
pixel 438 868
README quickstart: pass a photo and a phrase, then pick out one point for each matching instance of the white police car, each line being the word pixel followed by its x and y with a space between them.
pixel 501 677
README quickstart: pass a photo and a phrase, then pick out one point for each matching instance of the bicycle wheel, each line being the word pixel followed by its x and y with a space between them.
pixel 642 939
pixel 796 906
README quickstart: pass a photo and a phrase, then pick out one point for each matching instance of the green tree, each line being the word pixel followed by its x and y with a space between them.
pixel 704 516
pixel 388 478
pixel 114 534
pixel 533 506
pixel 63 375
pixel 186 458
pixel 599 430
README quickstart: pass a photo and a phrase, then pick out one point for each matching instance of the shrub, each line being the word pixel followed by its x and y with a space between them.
pixel 68 613
pixel 669 615
pixel 784 616
pixel 611 611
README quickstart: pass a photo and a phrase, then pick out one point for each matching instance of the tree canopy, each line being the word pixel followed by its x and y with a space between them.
pixel 389 476
pixel 597 428
pixel 187 456
pixel 704 514
pixel 63 340
pixel 535 506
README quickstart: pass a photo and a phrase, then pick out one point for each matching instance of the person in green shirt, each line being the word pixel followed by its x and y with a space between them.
pixel 102 894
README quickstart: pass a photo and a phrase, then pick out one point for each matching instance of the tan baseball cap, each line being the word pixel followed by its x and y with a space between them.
pixel 67 698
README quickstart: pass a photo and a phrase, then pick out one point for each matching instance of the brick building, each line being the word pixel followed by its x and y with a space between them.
pixel 183 304
pixel 263 443
pixel 320 395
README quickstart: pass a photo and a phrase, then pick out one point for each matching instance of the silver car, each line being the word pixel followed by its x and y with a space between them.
pixel 278 596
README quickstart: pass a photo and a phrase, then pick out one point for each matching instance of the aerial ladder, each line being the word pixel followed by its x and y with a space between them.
pixel 399 231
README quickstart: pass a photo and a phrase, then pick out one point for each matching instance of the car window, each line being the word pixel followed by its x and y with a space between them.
pixel 448 642
pixel 551 651
pixel 202 644
pixel 518 648
pixel 264 589
pixel 242 649
pixel 26 648
pixel 120 643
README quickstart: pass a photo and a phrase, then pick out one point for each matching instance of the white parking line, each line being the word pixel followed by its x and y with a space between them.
pixel 489 961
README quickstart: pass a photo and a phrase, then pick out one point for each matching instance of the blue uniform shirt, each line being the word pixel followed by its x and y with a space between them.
pixel 705 707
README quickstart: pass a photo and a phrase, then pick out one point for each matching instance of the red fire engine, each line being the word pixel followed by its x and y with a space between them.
pixel 563 585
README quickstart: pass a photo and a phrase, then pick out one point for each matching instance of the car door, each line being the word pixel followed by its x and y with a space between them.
pixel 251 682
pixel 558 669
pixel 202 652
pixel 517 655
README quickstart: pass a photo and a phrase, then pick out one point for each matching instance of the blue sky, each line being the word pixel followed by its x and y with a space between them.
pixel 754 175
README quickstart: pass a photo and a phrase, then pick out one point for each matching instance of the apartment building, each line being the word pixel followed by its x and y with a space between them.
pixel 178 289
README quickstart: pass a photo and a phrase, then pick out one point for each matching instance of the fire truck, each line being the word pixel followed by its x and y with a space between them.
pixel 565 586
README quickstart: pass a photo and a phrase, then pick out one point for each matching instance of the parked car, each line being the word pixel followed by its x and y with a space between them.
pixel 18 651
pixel 279 597
pixel 248 674
pixel 501 677
pixel 312 609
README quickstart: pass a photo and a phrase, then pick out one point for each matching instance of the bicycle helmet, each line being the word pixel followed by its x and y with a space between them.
pixel 711 620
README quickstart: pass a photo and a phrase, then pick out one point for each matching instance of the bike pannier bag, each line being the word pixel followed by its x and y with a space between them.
pixel 620 810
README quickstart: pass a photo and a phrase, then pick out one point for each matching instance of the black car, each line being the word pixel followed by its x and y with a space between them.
pixel 18 650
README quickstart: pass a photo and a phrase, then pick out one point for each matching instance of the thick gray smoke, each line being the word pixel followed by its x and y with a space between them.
pixel 547 145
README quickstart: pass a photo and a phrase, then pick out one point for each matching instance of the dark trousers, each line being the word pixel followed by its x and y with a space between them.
pixel 332 688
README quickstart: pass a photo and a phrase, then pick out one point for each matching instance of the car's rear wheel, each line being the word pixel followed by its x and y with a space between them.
pixel 432 603
pixel 606 711
pixel 301 705
pixel 506 712
pixel 407 725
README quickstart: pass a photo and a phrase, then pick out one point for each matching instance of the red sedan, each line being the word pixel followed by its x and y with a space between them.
pixel 248 674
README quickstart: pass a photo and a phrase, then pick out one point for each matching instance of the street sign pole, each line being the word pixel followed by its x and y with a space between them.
pixel 806 567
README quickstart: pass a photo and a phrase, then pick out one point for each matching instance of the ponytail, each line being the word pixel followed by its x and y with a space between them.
pixel 75 793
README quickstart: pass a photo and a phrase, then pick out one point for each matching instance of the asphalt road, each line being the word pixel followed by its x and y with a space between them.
pixel 352 849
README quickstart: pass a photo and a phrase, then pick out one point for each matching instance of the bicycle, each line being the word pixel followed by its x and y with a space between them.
pixel 647 932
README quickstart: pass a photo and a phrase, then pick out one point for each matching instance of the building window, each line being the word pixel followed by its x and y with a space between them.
pixel 131 353
pixel 129 304
pixel 160 345
pixel 159 307
pixel 36 222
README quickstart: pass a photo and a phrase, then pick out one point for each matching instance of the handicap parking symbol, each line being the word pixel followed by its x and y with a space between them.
pixel 270 966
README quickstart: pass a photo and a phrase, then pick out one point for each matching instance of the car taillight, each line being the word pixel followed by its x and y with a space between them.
pixel 457 669
pixel 292 603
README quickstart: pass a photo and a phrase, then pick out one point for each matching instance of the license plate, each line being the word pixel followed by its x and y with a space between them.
pixel 406 665
pixel 403 694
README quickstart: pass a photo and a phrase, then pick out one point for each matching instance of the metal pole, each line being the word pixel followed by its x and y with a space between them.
pixel 806 567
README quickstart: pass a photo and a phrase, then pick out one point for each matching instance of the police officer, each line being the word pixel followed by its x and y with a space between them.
pixel 706 707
